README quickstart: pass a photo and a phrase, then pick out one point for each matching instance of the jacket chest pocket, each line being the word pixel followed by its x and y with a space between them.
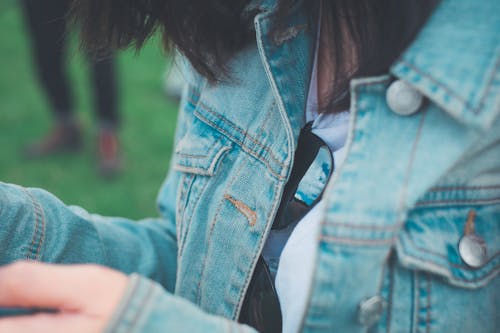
pixel 198 156
pixel 445 275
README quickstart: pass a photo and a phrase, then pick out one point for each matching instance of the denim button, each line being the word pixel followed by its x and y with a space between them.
pixel 473 251
pixel 403 99
pixel 370 310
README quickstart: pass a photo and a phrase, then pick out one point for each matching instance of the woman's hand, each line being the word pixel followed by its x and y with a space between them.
pixel 85 296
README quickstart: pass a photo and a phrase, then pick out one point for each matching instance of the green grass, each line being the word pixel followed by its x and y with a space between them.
pixel 148 123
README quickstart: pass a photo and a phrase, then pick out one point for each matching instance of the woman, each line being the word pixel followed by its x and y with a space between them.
pixel 404 235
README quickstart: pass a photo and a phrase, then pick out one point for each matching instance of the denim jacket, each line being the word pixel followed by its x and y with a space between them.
pixel 388 254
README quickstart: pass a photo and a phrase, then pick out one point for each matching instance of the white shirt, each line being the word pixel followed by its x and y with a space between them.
pixel 298 257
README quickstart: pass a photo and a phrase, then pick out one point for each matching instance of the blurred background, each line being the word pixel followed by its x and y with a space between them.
pixel 146 132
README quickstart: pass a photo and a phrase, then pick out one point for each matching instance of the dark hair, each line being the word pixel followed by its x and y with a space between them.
pixel 207 32
pixel 210 32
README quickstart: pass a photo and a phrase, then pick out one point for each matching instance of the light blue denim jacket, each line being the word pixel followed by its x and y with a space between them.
pixel 396 209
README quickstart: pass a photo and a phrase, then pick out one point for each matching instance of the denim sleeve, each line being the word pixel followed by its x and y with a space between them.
pixel 35 225
pixel 146 307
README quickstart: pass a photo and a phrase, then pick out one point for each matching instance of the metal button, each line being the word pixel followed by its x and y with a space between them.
pixel 473 250
pixel 403 99
pixel 370 310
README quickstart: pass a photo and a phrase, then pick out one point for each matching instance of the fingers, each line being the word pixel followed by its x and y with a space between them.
pixel 30 284
pixel 47 323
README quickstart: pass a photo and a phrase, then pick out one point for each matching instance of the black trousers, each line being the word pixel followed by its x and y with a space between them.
pixel 46 21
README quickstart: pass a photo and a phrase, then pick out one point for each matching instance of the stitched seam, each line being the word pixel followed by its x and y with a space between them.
pixel 353 241
pixel 195 170
pixel 209 237
pixel 31 248
pixel 246 149
pixel 191 155
pixel 458 202
pixel 212 225
pixel 429 309
pixel 200 170
pixel 217 158
pixel 243 208
pixel 391 295
pixel 364 226
pixel 254 261
pixel 119 319
pixel 373 83
pixel 196 156
pixel 275 89
pixel 467 188
pixel 181 208
pixel 459 266
pixel 227 299
pixel 318 326
pixel 41 239
pixel 409 168
pixel 422 249
pixel 189 221
pixel 245 134
pixel 435 81
pixel 488 86
pixel 141 307
pixel 35 232
pixel 260 130
pixel 416 314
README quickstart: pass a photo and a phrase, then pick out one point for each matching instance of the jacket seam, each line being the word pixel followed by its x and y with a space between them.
pixel 409 167
pixel 244 147
pixel 141 307
pixel 187 183
pixel 390 296
pixel 429 307
pixel 459 201
pixel 491 79
pixel 254 261
pixel 416 303
pixel 466 103
pixel 465 188
pixel 35 232
pixel 463 267
pixel 394 227
pixel 356 241
pixel 245 134
pixel 188 226
pixel 118 321
pixel 39 232
pixel 179 149
pixel 209 236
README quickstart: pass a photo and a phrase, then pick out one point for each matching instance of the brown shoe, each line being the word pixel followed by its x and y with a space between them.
pixel 63 138
pixel 109 157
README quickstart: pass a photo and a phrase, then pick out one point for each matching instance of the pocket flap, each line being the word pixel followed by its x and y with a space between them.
pixel 429 242
pixel 201 153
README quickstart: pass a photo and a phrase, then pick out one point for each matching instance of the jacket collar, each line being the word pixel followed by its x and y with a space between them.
pixel 287 56
pixel 455 60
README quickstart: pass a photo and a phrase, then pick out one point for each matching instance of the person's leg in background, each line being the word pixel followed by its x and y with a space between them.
pixel 47 25
pixel 105 95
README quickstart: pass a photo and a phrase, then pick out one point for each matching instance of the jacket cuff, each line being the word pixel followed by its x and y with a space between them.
pixel 147 307
pixel 133 306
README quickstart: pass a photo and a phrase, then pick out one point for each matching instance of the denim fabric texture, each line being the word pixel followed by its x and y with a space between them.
pixel 394 212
